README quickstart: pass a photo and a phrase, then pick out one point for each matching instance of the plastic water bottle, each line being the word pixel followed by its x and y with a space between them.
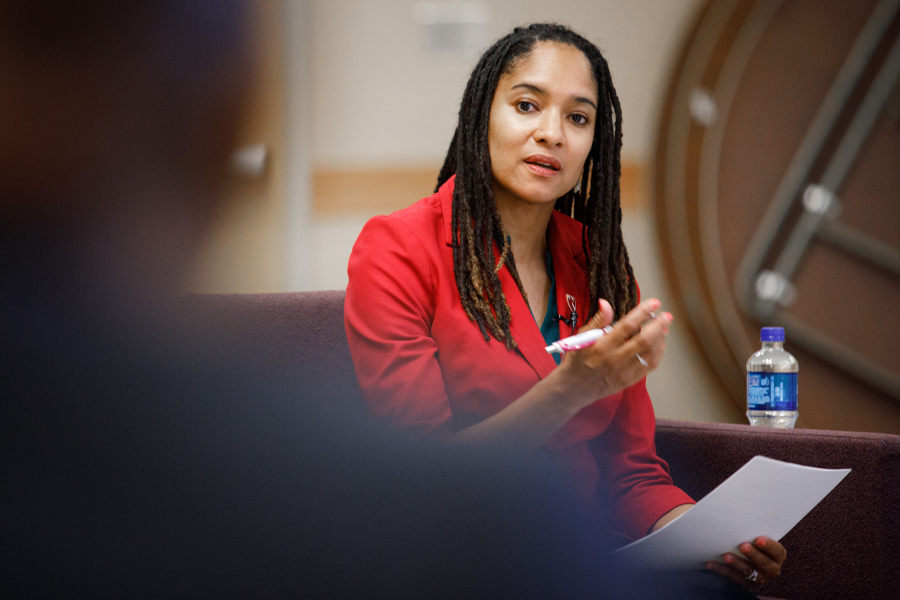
pixel 772 383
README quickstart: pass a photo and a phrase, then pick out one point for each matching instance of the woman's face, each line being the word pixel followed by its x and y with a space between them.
pixel 541 124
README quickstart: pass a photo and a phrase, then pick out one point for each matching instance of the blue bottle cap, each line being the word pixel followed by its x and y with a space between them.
pixel 771 334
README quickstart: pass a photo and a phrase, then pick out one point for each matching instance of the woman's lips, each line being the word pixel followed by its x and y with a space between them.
pixel 543 165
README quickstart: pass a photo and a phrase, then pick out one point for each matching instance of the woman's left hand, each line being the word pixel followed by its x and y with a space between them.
pixel 761 561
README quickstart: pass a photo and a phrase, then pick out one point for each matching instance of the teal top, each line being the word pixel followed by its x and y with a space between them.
pixel 550 326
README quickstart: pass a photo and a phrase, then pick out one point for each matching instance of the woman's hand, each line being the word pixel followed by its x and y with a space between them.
pixel 619 359
pixel 761 561
pixel 615 361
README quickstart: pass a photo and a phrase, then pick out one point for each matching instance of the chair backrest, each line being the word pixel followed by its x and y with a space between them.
pixel 846 546
pixel 299 333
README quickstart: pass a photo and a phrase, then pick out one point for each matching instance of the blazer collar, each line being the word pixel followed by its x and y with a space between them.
pixel 445 194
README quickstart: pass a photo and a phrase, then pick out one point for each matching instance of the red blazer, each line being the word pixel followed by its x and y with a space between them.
pixel 423 364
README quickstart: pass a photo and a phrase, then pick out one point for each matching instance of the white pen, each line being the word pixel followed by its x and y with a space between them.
pixel 582 340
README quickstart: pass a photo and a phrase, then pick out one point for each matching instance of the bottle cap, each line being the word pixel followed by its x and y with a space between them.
pixel 771 334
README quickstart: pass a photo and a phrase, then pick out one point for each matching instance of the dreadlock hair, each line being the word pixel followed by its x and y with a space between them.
pixel 594 203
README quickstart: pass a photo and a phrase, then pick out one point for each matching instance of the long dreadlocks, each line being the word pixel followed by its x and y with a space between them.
pixel 595 203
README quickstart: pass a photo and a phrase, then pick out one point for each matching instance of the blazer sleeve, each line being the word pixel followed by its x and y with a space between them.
pixel 388 313
pixel 640 489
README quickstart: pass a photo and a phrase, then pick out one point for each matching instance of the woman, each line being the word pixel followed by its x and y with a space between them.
pixel 452 301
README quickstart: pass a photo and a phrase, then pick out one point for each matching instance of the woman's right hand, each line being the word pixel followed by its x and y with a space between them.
pixel 620 358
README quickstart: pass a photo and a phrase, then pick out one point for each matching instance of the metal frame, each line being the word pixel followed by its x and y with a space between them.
pixel 820 207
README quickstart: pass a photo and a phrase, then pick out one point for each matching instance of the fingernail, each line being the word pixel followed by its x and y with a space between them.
pixel 668 317
pixel 654 304
pixel 746 548
pixel 761 542
pixel 728 559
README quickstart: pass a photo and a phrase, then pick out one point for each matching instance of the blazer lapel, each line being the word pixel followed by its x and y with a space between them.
pixel 445 193
pixel 522 325
pixel 569 267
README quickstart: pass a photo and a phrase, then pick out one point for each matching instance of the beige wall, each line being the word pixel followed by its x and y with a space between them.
pixel 245 251
pixel 380 97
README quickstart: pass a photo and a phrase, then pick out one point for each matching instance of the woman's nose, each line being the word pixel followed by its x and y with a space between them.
pixel 549 130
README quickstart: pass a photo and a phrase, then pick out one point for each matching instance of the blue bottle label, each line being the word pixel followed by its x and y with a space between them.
pixel 771 391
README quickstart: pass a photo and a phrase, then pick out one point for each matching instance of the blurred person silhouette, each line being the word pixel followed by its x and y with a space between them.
pixel 136 460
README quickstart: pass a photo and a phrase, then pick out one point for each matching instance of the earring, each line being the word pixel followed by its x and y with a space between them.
pixel 578 187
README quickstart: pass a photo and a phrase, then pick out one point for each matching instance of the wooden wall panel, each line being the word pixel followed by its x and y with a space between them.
pixel 384 190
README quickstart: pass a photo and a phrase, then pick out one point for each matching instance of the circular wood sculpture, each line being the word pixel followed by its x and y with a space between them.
pixel 777 186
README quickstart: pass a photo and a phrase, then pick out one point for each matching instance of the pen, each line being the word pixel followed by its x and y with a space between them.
pixel 582 340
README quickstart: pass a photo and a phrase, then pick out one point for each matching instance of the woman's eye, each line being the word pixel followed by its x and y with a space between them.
pixel 580 119
pixel 525 106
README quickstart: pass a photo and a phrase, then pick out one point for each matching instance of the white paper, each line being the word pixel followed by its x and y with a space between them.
pixel 764 497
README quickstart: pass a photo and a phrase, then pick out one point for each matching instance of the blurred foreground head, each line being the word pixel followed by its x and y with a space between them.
pixel 116 121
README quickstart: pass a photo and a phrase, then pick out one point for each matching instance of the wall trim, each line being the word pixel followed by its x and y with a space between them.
pixel 381 190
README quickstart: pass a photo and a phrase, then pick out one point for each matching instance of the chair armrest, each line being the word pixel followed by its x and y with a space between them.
pixel 846 546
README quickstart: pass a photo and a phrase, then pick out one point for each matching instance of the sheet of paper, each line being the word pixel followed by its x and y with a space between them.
pixel 764 497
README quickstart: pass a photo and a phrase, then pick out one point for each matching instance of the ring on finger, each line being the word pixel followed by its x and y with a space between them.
pixel 752 576
pixel 642 361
